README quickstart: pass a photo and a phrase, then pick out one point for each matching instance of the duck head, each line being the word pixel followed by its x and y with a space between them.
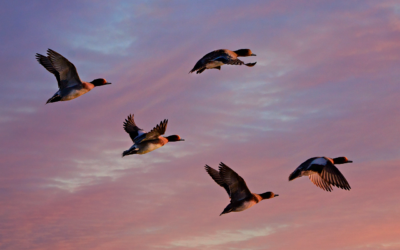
pixel 341 160
pixel 100 82
pixel 268 195
pixel 244 52
pixel 174 138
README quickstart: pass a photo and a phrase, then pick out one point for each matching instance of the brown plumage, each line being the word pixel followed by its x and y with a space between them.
pixel 235 186
pixel 69 84
pixel 147 142
pixel 217 58
pixel 322 172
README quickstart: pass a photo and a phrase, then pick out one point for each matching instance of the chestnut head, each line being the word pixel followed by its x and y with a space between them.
pixel 244 52
pixel 268 195
pixel 100 82
pixel 174 138
pixel 341 160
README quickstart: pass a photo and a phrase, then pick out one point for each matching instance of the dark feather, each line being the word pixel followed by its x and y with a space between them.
pixel 217 178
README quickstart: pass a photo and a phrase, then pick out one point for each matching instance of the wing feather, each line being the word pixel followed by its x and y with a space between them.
pixel 154 133
pixel 331 174
pixel 319 182
pixel 237 186
pixel 131 128
pixel 217 178
pixel 68 75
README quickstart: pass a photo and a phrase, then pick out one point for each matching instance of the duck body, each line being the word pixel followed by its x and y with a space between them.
pixel 69 84
pixel 241 205
pixel 235 186
pixel 322 172
pixel 146 142
pixel 217 58
pixel 146 146
pixel 70 93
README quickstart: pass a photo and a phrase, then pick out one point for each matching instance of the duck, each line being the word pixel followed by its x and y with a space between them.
pixel 323 173
pixel 144 142
pixel 235 186
pixel 217 58
pixel 69 84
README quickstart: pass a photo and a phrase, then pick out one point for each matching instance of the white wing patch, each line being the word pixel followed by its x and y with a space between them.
pixel 140 132
pixel 319 161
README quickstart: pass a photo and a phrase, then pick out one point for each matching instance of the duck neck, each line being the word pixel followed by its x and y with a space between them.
pixel 257 198
pixel 88 85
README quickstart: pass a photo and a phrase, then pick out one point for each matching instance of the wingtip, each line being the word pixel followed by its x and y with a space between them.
pixel 250 64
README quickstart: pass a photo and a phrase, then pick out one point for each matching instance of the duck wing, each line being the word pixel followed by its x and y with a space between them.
pixel 153 134
pixel 217 178
pixel 299 170
pixel 333 176
pixel 319 182
pixel 237 186
pixel 226 59
pixel 68 76
pixel 207 58
pixel 46 63
pixel 131 128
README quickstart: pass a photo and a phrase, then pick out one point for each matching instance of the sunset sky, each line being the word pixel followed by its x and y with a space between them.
pixel 326 83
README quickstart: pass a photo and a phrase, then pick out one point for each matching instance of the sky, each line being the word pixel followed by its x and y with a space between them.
pixel 326 83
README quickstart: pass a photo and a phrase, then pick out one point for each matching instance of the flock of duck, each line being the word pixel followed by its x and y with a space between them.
pixel 320 170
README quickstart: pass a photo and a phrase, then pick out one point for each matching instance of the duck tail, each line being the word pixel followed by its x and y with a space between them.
pixel 228 209
pixel 294 175
pixel 55 98
pixel 200 70
pixel 129 152
pixel 198 67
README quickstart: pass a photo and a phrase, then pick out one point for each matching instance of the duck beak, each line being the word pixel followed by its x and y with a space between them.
pixel 349 161
pixel 182 140
pixel 276 195
pixel 253 55
pixel 107 83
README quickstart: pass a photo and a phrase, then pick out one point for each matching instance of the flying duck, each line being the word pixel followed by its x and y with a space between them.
pixel 69 84
pixel 146 142
pixel 322 172
pixel 235 186
pixel 217 58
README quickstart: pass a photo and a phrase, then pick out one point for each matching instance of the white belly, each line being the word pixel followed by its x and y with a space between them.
pixel 245 205
pixel 214 64
pixel 148 148
pixel 74 94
